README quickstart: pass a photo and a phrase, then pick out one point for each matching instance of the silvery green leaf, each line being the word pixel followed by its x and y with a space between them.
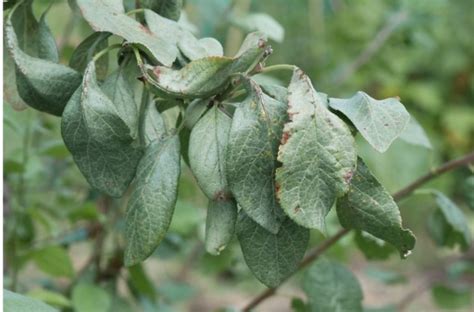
pixel 317 154
pixel 99 139
pixel 207 76
pixel 152 125
pixel 151 204
pixel 331 287
pixel 13 302
pixel 372 247
pixel 108 16
pixel 170 9
pixel 207 144
pixel 251 156
pixel 370 208
pixel 42 84
pixel 415 134
pixel 380 122
pixel 194 111
pixel 85 51
pixel 260 22
pixel 220 225
pixel 271 257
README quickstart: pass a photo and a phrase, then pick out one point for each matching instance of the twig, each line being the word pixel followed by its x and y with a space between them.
pixel 372 48
pixel 317 251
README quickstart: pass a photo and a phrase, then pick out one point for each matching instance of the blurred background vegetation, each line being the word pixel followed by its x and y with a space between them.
pixel 421 51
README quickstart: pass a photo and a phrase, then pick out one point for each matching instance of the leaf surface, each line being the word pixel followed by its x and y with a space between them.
pixel 331 287
pixel 251 156
pixel 98 138
pixel 152 202
pixel 86 50
pixel 317 154
pixel 170 9
pixel 370 208
pixel 13 302
pixel 90 298
pixel 380 122
pixel 271 257
pixel 207 76
pixel 54 261
pixel 220 225
pixel 108 16
pixel 207 144
pixel 415 134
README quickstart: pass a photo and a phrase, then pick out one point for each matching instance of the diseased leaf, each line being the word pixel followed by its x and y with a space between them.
pixel 42 84
pixel 13 302
pixel 86 50
pixel 220 225
pixel 372 247
pixel 331 287
pixel 380 122
pixel 370 208
pixel 108 16
pixel 317 154
pixel 207 76
pixel 447 225
pixel 251 156
pixel 54 261
pixel 167 8
pixel 90 298
pixel 415 134
pixel 99 139
pixel 260 22
pixel 271 257
pixel 152 202
pixel 207 145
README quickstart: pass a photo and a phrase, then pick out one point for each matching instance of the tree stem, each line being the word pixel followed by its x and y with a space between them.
pixel 319 250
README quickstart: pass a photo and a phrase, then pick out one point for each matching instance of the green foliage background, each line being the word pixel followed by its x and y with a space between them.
pixel 427 60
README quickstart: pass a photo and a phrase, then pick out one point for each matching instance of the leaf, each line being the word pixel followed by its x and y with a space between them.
pixel 317 154
pixel 140 282
pixel 151 204
pixel 370 208
pixel 86 50
pixel 468 191
pixel 380 122
pixel 90 298
pixel 13 302
pixel 271 257
pixel 447 225
pixel 220 225
pixel 207 144
pixel 452 298
pixel 207 76
pixel 167 8
pixel 415 134
pixel 260 22
pixel 298 305
pixel 251 156
pixel 50 297
pixel 194 111
pixel 372 247
pixel 42 84
pixel 331 287
pixel 108 16
pixel 99 139
pixel 53 260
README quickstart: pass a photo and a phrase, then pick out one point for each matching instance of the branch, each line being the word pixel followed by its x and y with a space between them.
pixel 317 251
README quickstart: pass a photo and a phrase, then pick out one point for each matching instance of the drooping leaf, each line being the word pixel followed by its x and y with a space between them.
pixel 271 257
pixel 207 76
pixel 42 84
pixel 207 145
pixel 54 261
pixel 99 139
pixel 86 50
pixel 251 156
pixel 448 225
pixel 415 134
pixel 317 154
pixel 370 208
pixel 372 247
pixel 220 225
pixel 331 287
pixel 108 16
pixel 152 202
pixel 379 121
pixel 13 302
pixel 167 8
pixel 260 22
pixel 90 298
